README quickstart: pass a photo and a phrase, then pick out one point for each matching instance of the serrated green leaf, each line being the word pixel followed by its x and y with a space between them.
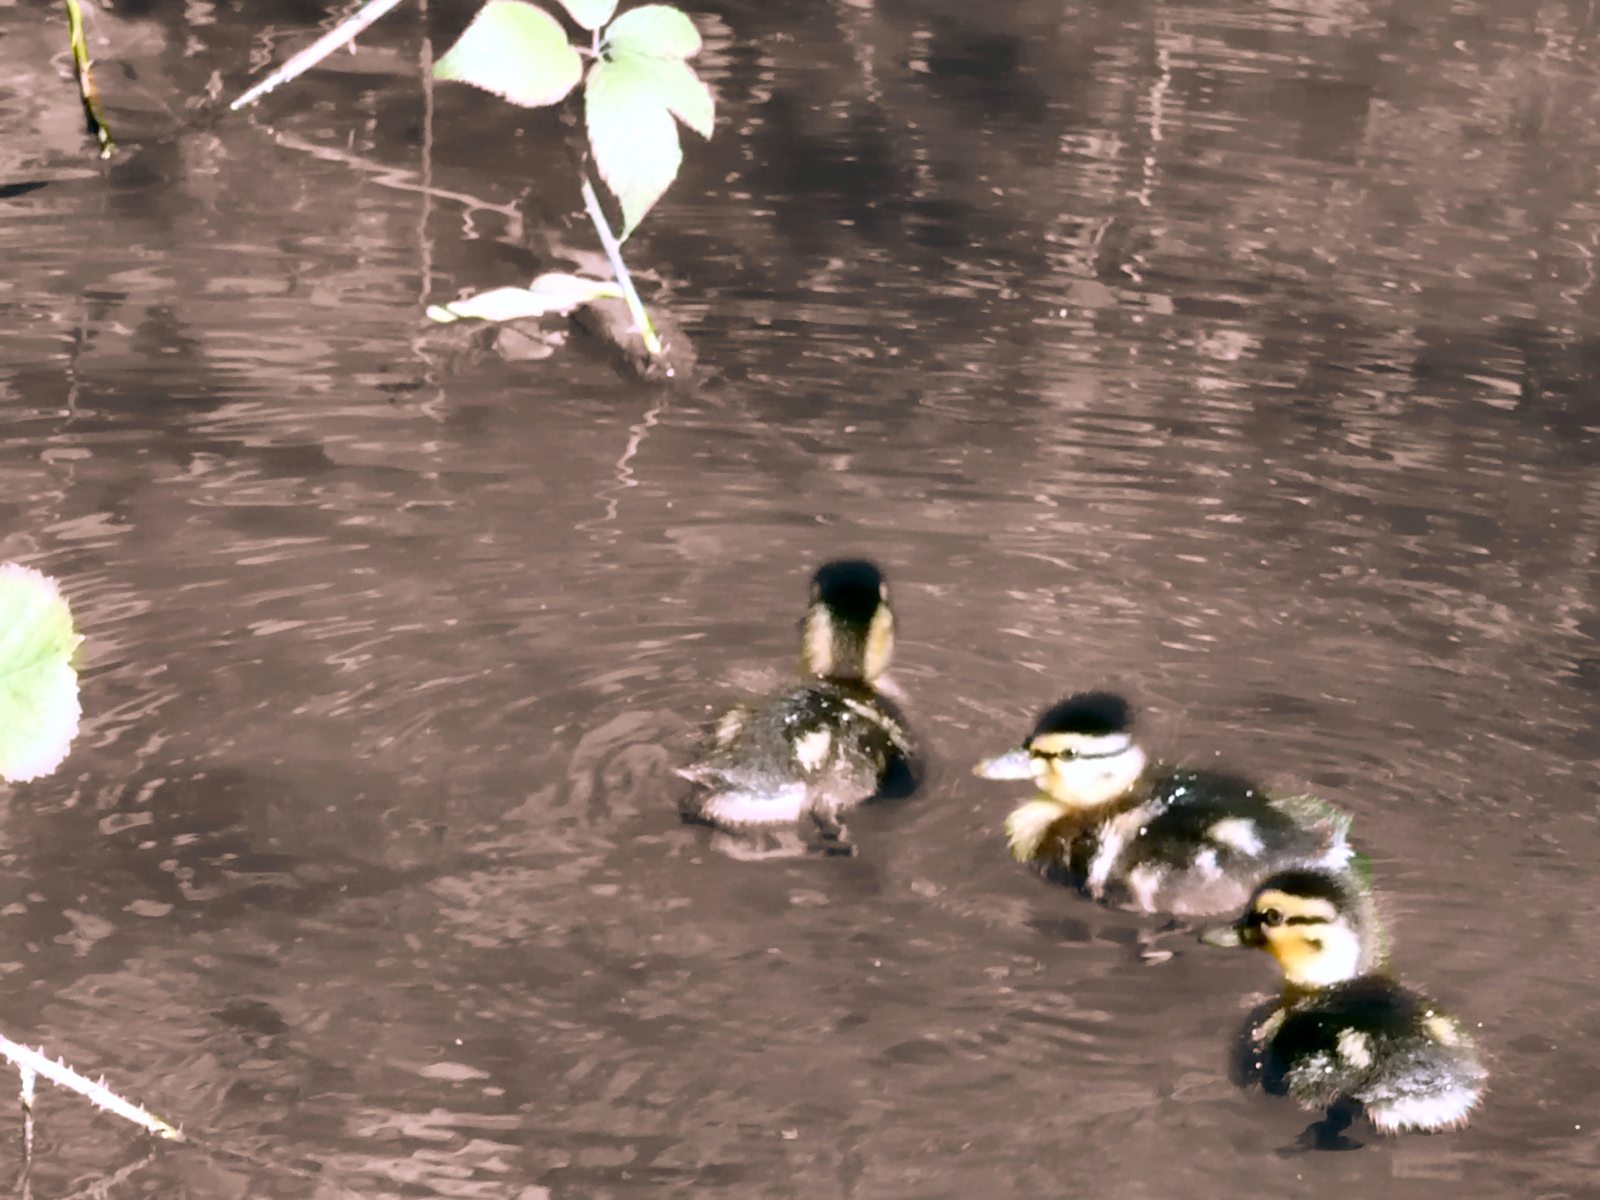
pixel 38 687
pixel 678 87
pixel 591 14
pixel 656 29
pixel 515 50
pixel 633 135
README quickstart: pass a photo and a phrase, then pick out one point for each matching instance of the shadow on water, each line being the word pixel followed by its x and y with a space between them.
pixel 1242 359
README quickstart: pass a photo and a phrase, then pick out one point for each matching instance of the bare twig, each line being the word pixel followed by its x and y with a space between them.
pixel 340 35
pixel 31 1062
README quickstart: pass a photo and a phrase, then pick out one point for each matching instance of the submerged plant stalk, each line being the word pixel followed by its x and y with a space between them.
pixel 28 1076
pixel 86 87
pixel 31 1062
pixel 647 330
pixel 341 34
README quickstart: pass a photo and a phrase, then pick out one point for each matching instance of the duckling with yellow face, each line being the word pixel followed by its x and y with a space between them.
pixel 780 769
pixel 1344 1032
pixel 1154 837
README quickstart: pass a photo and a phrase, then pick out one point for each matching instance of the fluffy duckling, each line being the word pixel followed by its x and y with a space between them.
pixel 1345 1035
pixel 801 759
pixel 1154 837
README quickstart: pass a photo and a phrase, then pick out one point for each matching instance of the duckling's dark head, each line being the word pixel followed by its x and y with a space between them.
pixel 1080 751
pixel 1321 925
pixel 1087 714
pixel 848 630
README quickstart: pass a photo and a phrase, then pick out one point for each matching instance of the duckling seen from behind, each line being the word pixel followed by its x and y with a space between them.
pixel 782 769
pixel 1156 838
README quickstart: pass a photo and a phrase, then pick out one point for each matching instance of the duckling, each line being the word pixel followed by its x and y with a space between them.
pixel 1345 1036
pixel 806 756
pixel 1156 838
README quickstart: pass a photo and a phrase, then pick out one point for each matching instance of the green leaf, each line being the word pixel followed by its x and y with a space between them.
pixel 591 14
pixel 516 51
pixel 38 687
pixel 552 293
pixel 678 87
pixel 634 138
pixel 656 29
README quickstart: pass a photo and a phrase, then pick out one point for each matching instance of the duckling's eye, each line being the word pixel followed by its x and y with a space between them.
pixel 1272 918
pixel 1058 755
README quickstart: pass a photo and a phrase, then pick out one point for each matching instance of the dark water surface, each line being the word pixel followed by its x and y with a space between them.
pixel 1240 356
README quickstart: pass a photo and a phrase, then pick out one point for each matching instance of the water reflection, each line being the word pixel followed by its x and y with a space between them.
pixel 1239 358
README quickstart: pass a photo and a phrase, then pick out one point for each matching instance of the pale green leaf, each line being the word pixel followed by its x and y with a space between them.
pixel 516 51
pixel 677 86
pixel 660 31
pixel 553 293
pixel 572 290
pixel 591 14
pixel 633 135
pixel 656 29
pixel 38 686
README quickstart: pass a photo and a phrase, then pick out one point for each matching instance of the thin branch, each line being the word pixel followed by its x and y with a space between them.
pixel 340 35
pixel 33 1061
pixel 647 331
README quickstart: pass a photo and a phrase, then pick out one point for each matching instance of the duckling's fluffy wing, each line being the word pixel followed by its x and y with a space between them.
pixel 819 747
pixel 1228 828
pixel 1431 1078
pixel 1199 841
pixel 1409 1064
pixel 1244 826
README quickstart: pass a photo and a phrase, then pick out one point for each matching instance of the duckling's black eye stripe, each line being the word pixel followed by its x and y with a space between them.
pixel 1305 920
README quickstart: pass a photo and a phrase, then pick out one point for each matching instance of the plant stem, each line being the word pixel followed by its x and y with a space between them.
pixel 32 1061
pixel 28 1077
pixel 647 331
pixel 90 93
pixel 341 34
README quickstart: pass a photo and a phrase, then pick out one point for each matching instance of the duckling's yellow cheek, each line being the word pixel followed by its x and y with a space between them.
pixel 817 645
pixel 880 643
pixel 1294 952
pixel 1053 779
